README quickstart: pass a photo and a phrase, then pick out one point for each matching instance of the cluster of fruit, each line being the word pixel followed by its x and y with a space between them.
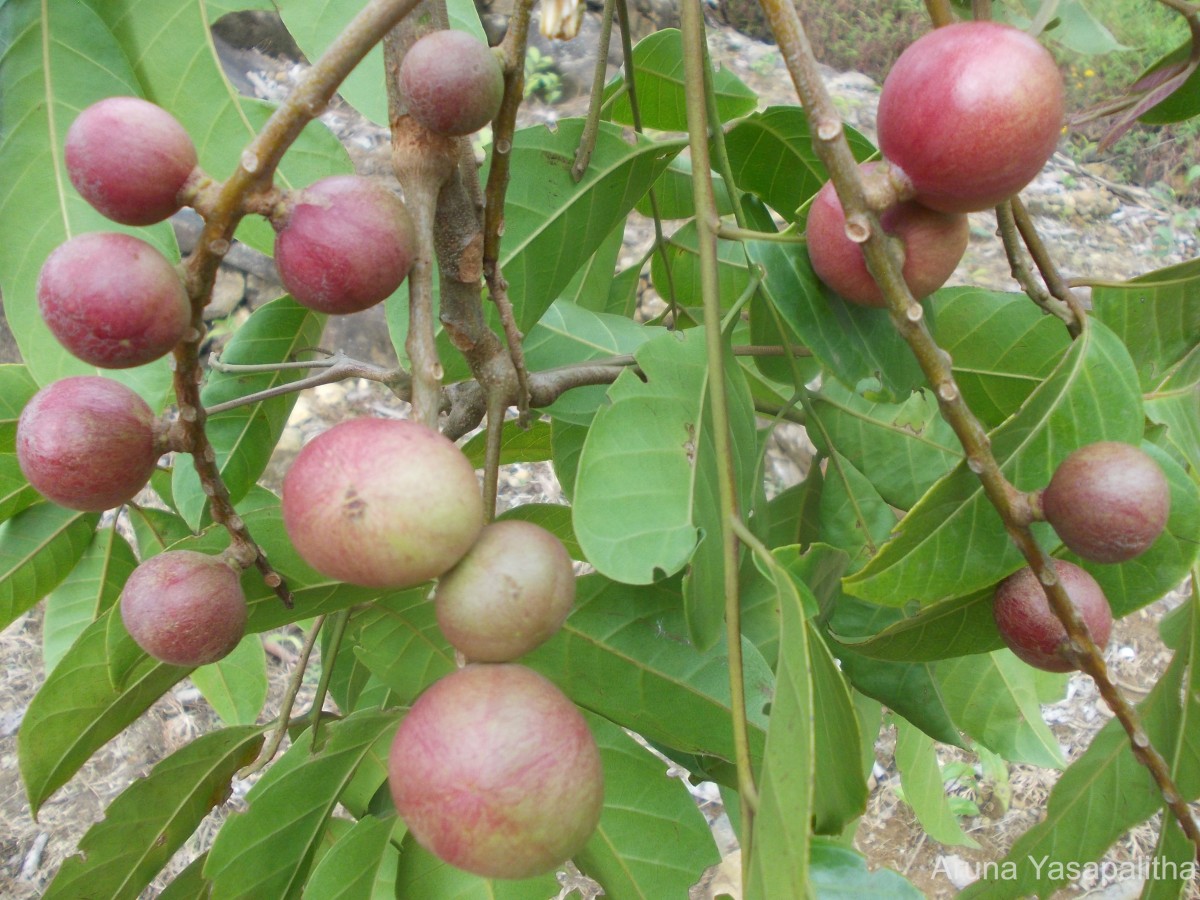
pixel 969 114
pixel 113 300
pixel 1108 502
pixel 493 769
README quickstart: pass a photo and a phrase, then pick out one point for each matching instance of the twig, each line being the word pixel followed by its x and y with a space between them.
pixel 1033 289
pixel 503 130
pixel 707 222
pixel 1012 505
pixel 289 700
pixel 591 125
pixel 1057 285
pixel 328 661
pixel 940 12
pixel 635 113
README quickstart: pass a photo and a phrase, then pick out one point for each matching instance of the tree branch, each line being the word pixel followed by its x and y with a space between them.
pixel 908 317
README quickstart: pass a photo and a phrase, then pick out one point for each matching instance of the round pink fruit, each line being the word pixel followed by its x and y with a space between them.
pixel 495 771
pixel 113 300
pixel 343 244
pixel 130 159
pixel 184 608
pixel 1029 626
pixel 1108 501
pixel 452 82
pixel 381 503
pixel 970 113
pixel 87 443
pixel 509 594
pixel 934 243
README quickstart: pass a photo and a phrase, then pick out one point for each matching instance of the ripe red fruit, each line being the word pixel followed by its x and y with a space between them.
pixel 452 82
pixel 1028 624
pixel 509 594
pixel 494 771
pixel 113 300
pixel 87 443
pixel 1108 501
pixel 343 244
pixel 381 503
pixel 129 159
pixel 934 242
pixel 184 608
pixel 971 112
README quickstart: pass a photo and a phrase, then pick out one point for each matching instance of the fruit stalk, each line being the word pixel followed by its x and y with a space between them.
pixel 832 148
pixel 707 223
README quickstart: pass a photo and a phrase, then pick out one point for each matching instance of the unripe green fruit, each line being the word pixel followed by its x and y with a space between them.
pixel 129 159
pixel 971 113
pixel 934 242
pixel 184 608
pixel 343 244
pixel 495 771
pixel 113 300
pixel 509 594
pixel 1029 626
pixel 87 443
pixel 381 503
pixel 1108 501
pixel 452 82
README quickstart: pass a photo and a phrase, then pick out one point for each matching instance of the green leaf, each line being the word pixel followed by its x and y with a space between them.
pixel 236 686
pixel 554 517
pixel 77 711
pixel 57 59
pixel 857 345
pixel 517 444
pixel 398 640
pixel 190 884
pixel 623 654
pixel 157 529
pixel 995 699
pixel 901 448
pixel 567 442
pixel 854 518
pixel 1076 827
pixel 266 851
pixel 652 840
pixel 152 818
pixel 553 224
pixel 1175 403
pixel 571 334
pixel 958 627
pixel 38 548
pixel 923 790
pixel 1157 316
pixel 839 873
pixel 681 253
pixel 643 506
pixel 658 79
pixel 952 541
pixel 359 865
pixel 91 588
pixel 779 863
pixel 1001 347
pixel 590 287
pixel 673 193
pixel 421 874
pixel 16 388
pixel 841 792
pixel 771 155
pixel 244 437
